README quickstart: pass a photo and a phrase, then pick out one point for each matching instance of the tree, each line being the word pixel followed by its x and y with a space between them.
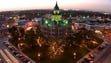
pixel 83 37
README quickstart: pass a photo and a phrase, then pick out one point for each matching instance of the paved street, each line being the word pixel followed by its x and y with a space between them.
pixel 2 59
pixel 2 53
pixel 108 59
pixel 3 56
pixel 104 57
pixel 6 56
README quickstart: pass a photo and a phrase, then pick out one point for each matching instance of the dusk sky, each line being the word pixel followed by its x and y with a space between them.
pixel 94 5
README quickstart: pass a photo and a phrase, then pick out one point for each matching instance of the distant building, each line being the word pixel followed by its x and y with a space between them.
pixel 6 23
pixel 55 25
pixel 22 22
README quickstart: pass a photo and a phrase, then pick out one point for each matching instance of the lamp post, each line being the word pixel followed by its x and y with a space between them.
pixel 38 56
pixel 74 54
pixel 19 39
pixel 20 45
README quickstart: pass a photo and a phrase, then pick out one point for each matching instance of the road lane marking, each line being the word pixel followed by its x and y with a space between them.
pixel 5 57
pixel 14 60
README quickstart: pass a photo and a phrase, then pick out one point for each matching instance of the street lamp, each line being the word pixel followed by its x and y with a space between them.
pixel 20 46
pixel 74 54
pixel 38 56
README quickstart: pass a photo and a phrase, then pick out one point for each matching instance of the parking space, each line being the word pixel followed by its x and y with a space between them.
pixel 17 53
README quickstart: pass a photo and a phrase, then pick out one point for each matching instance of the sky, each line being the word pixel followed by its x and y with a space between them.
pixel 92 5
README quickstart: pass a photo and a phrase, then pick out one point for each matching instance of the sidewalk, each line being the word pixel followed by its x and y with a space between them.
pixel 96 53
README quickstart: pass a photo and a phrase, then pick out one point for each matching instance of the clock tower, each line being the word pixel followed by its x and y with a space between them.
pixel 56 25
pixel 56 15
